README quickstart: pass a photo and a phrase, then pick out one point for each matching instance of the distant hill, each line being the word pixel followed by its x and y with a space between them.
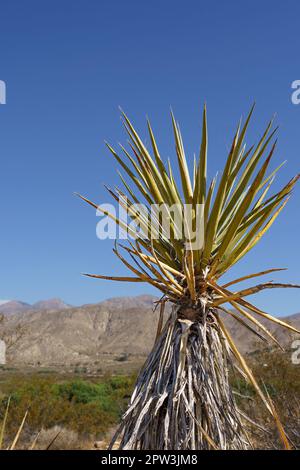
pixel 50 304
pixel 118 326
pixel 16 306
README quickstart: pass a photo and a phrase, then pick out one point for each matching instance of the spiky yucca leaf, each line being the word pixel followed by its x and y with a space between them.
pixel 246 211
pixel 236 215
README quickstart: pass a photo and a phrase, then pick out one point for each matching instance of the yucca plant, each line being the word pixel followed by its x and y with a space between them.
pixel 183 398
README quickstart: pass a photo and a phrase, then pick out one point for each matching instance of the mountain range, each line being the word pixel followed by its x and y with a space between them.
pixel 11 307
pixel 94 333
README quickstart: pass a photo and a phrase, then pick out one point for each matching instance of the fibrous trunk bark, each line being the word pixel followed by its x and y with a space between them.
pixel 182 398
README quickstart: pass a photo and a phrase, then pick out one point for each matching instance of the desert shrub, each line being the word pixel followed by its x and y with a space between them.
pixel 81 406
pixel 110 395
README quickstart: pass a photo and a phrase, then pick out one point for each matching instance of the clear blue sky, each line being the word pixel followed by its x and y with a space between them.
pixel 69 64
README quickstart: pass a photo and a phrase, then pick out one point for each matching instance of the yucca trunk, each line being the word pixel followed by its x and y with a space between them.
pixel 182 398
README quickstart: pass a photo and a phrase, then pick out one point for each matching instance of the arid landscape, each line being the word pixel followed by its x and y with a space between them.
pixel 74 367
pixel 99 336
